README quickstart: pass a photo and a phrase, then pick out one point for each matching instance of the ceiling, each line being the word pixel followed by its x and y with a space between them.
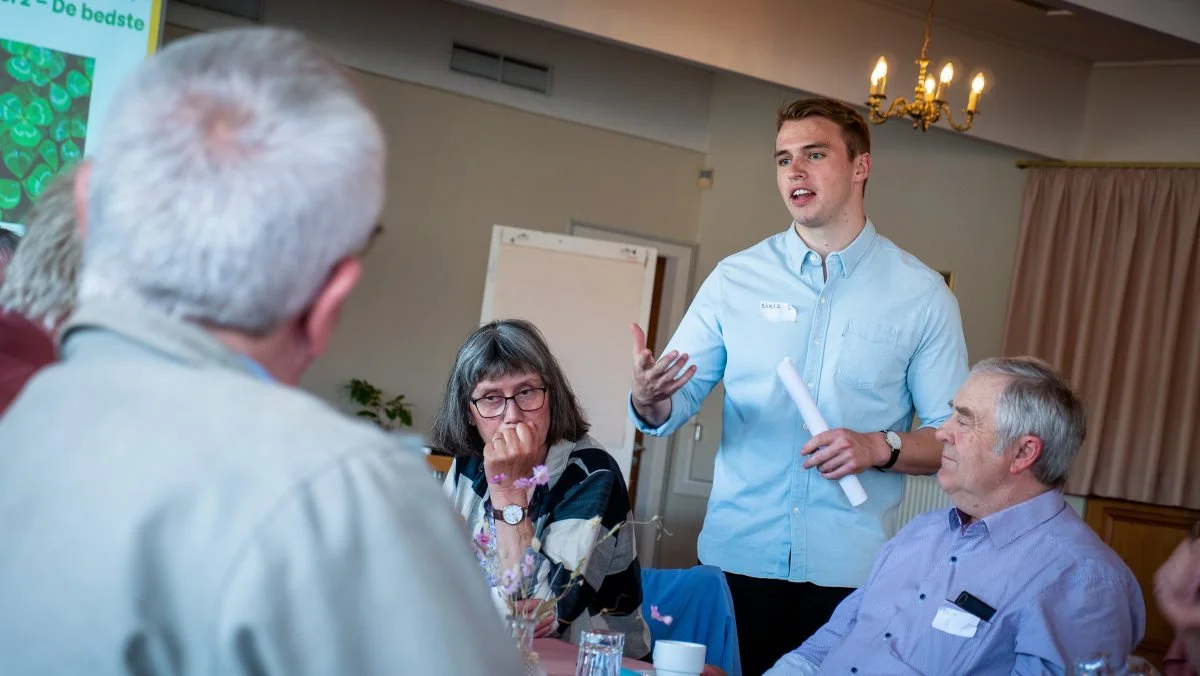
pixel 1092 37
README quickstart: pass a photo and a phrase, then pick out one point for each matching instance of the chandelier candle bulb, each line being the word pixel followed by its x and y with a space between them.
pixel 816 423
pixel 943 82
pixel 879 78
pixel 976 89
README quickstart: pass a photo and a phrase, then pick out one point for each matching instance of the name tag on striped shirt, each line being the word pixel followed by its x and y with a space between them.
pixel 956 622
pixel 776 312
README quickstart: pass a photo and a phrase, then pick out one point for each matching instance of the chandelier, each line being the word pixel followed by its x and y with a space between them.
pixel 928 105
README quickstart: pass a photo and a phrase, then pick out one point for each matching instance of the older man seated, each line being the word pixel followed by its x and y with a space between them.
pixel 1010 580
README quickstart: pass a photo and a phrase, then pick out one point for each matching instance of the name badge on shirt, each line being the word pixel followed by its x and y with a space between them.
pixel 955 622
pixel 776 312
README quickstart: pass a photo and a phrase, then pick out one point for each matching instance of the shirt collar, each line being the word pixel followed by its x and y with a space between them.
pixel 1009 524
pixel 153 330
pixel 847 259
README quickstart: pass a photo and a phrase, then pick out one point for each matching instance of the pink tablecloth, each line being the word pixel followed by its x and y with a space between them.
pixel 558 657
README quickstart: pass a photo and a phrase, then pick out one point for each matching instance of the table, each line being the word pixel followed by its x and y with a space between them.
pixel 558 657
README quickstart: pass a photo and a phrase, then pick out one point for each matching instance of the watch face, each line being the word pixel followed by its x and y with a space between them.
pixel 893 439
pixel 513 514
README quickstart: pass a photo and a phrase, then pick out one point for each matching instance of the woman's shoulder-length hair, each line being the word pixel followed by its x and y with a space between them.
pixel 497 349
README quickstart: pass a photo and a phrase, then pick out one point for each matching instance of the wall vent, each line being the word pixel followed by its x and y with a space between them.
pixel 500 68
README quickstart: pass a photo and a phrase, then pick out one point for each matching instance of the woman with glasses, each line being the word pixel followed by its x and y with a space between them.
pixel 508 409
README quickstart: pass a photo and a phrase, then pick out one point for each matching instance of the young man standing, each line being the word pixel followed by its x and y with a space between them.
pixel 876 336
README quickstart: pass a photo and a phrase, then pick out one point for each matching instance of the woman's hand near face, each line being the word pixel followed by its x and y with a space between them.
pixel 510 455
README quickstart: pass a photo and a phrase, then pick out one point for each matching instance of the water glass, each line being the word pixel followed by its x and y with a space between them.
pixel 600 653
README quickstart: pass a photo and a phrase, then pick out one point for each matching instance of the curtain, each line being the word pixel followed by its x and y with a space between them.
pixel 1106 288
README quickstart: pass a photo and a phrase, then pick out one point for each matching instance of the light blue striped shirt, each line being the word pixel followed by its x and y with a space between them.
pixel 876 342
pixel 1059 595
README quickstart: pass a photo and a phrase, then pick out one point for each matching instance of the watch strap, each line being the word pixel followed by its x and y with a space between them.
pixel 892 460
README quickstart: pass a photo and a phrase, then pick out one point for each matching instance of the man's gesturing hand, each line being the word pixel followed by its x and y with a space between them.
pixel 654 381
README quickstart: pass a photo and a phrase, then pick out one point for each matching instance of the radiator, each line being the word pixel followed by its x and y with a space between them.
pixel 921 494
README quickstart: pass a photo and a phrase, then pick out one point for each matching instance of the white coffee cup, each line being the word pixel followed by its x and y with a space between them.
pixel 672 658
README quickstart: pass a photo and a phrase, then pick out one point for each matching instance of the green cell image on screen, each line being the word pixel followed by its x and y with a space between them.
pixel 44 100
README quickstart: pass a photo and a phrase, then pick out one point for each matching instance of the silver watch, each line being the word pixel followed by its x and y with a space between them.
pixel 511 514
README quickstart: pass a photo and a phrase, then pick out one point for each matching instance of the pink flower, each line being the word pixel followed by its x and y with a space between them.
pixel 498 479
pixel 482 540
pixel 510 581
pixel 665 619
pixel 527 565
pixel 541 477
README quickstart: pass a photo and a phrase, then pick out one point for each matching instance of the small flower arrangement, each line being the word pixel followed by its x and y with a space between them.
pixel 516 585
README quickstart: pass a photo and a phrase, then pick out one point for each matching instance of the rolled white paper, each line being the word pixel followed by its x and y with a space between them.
pixel 816 423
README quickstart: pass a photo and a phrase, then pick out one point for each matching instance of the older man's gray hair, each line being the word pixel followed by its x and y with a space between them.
pixel 8 247
pixel 1039 402
pixel 40 284
pixel 234 171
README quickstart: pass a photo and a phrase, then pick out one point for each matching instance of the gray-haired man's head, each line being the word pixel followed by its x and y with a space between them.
pixel 41 283
pixel 237 175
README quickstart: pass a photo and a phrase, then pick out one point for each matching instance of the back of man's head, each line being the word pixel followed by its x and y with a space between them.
pixel 236 169
pixel 8 247
pixel 41 281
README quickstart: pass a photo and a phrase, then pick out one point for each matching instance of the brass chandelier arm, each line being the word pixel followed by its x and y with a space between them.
pixel 879 118
pixel 954 125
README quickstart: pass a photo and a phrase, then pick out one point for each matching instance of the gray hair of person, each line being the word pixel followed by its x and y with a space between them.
pixel 1037 401
pixel 8 246
pixel 41 282
pixel 497 349
pixel 234 171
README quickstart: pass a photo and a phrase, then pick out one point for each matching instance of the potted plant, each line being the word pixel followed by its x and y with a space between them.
pixel 390 414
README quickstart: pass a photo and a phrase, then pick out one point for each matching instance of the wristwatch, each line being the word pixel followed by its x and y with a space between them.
pixel 894 441
pixel 511 514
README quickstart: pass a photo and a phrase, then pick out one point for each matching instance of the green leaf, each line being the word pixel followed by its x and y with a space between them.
pixel 10 193
pixel 49 153
pixel 89 68
pixel 9 46
pixel 70 152
pixel 25 134
pixel 60 100
pixel 19 68
pixel 11 109
pixel 78 127
pixel 406 417
pixel 37 180
pixel 78 84
pixel 39 112
pixel 61 130
pixel 58 64
pixel 39 56
pixel 40 77
pixel 19 161
pixel 368 414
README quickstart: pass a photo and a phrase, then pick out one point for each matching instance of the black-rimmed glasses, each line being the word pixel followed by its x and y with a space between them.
pixel 493 405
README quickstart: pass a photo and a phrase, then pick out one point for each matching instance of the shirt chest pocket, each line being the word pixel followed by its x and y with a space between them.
pixel 868 352
pixel 950 652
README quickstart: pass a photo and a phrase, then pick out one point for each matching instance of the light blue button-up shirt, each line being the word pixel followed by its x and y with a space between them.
pixel 1058 594
pixel 877 341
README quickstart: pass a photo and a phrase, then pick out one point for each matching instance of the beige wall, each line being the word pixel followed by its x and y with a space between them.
pixel 457 166
pixel 1143 114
